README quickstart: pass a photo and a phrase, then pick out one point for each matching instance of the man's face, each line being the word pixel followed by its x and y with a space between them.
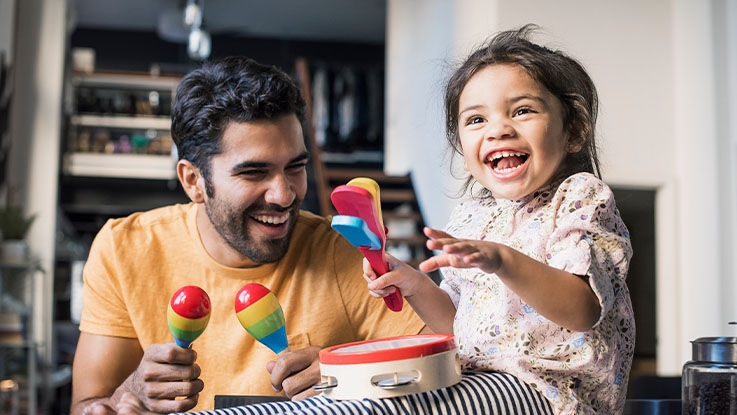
pixel 259 181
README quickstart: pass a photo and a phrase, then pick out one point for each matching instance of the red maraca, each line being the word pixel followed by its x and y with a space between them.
pixel 188 314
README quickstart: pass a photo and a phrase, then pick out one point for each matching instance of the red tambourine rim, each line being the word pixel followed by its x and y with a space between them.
pixel 444 343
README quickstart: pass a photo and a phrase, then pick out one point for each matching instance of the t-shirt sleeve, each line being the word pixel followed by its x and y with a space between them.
pixel 103 310
pixel 589 238
pixel 369 316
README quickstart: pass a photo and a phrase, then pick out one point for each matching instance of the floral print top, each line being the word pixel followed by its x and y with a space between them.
pixel 573 225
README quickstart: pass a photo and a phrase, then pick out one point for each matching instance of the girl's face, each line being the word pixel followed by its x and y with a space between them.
pixel 511 131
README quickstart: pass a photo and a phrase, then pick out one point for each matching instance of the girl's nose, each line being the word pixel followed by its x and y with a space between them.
pixel 498 129
pixel 280 191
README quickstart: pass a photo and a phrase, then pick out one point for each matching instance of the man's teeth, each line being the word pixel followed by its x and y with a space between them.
pixel 272 220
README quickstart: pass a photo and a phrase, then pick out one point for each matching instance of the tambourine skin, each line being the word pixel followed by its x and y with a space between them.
pixel 366 370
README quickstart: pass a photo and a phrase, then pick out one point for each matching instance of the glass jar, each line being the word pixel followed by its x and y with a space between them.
pixel 710 379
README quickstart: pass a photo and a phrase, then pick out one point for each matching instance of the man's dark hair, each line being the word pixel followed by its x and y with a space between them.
pixel 232 89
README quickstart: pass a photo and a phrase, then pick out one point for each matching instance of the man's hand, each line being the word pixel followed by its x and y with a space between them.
pixel 296 372
pixel 166 372
pixel 128 405
pixel 105 368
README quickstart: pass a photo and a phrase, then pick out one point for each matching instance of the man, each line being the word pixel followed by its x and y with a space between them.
pixel 242 162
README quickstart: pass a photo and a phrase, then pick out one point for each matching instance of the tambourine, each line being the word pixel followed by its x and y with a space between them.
pixel 389 367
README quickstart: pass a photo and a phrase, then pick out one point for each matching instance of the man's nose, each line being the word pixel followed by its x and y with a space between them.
pixel 280 191
pixel 499 128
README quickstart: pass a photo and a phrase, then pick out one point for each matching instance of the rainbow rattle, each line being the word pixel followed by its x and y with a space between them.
pixel 260 314
pixel 188 314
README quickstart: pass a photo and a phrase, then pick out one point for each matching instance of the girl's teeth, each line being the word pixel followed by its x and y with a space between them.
pixel 502 154
pixel 507 170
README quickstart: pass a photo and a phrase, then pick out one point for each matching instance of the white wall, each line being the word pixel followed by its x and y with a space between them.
pixel 727 99
pixel 416 51
pixel 660 127
pixel 35 125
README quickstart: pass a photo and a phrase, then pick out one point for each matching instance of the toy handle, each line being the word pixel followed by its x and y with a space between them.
pixel 380 266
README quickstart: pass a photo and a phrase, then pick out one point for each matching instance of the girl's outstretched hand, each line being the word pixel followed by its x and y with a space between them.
pixel 400 275
pixel 460 253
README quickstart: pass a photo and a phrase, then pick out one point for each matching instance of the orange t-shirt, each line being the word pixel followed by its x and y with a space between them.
pixel 138 262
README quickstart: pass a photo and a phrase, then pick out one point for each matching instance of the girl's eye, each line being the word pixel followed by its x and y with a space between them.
pixel 474 120
pixel 522 111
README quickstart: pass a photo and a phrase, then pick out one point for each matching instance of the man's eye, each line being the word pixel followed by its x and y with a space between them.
pixel 297 168
pixel 252 173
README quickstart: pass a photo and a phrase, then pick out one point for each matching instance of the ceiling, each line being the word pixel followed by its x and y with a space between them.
pixel 337 20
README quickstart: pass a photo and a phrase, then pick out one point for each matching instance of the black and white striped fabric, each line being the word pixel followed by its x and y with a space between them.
pixel 478 393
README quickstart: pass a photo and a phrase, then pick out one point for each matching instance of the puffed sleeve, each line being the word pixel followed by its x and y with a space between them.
pixel 589 237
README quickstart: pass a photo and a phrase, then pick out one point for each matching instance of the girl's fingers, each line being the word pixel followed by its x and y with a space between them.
pixel 460 248
pixel 368 272
pixel 379 283
pixel 435 233
pixel 429 265
pixel 382 286
pixel 443 260
pixel 438 244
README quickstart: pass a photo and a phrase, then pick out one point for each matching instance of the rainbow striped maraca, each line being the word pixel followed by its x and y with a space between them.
pixel 260 314
pixel 188 314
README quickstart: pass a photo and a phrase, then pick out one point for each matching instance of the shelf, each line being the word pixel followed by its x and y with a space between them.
pixel 140 122
pixel 25 344
pixel 128 81
pixel 21 264
pixel 135 166
pixel 353 157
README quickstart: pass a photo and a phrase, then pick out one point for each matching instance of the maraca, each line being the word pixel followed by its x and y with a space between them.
pixel 188 314
pixel 260 314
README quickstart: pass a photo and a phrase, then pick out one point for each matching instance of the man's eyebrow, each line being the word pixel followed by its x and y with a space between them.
pixel 304 156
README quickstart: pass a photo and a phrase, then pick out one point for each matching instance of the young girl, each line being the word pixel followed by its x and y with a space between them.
pixel 535 263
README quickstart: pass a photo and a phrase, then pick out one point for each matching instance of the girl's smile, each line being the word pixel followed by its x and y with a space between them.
pixel 511 131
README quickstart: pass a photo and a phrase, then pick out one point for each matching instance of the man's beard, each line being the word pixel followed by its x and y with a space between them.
pixel 232 226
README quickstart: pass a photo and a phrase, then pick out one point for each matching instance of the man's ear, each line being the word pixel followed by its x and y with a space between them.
pixel 189 177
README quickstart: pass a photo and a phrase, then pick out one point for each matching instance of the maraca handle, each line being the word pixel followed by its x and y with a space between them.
pixel 380 266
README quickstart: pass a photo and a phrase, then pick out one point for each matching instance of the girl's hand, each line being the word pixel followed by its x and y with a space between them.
pixel 400 275
pixel 461 253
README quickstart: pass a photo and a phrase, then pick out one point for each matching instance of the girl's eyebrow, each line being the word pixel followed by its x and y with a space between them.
pixel 470 108
pixel 510 101
pixel 527 96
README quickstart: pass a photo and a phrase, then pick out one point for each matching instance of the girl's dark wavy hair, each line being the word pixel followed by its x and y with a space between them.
pixel 232 89
pixel 560 74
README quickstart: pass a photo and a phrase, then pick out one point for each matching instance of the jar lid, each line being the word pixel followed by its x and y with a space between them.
pixel 715 349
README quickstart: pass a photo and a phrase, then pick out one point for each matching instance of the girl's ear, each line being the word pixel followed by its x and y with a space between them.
pixel 574 144
pixel 191 180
